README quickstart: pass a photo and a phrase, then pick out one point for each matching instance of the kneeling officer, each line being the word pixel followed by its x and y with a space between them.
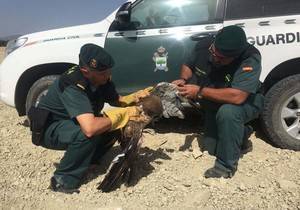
pixel 225 80
pixel 71 114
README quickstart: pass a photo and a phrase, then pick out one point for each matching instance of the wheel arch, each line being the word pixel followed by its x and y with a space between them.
pixel 283 70
pixel 30 76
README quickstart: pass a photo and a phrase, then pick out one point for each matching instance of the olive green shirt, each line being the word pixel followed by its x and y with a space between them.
pixel 74 101
pixel 243 73
pixel 246 78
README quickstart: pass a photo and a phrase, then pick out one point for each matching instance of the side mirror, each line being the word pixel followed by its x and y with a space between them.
pixel 124 13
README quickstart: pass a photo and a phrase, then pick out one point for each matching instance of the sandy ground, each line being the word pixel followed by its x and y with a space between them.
pixel 170 173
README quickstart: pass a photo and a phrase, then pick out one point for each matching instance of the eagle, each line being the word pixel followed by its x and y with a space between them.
pixel 162 101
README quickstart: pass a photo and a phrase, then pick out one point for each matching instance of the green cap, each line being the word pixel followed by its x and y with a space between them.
pixel 95 57
pixel 231 41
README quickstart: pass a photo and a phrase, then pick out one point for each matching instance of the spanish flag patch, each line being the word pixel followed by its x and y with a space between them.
pixel 247 69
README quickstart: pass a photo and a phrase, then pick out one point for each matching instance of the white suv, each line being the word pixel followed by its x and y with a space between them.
pixel 149 40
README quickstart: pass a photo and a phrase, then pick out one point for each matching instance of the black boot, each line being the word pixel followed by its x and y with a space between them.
pixel 60 187
pixel 219 171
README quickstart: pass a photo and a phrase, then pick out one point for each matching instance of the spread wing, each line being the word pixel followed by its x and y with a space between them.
pixel 123 164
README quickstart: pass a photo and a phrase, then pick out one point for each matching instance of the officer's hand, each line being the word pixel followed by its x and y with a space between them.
pixel 179 82
pixel 189 91
pixel 135 97
pixel 119 117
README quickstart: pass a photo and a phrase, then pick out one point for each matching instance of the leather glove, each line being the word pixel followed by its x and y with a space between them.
pixel 135 97
pixel 120 116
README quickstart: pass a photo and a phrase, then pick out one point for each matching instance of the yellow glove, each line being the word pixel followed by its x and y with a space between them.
pixel 135 97
pixel 120 116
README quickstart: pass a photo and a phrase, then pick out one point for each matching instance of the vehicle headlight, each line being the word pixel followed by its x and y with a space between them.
pixel 15 44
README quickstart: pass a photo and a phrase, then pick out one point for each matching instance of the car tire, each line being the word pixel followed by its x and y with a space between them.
pixel 39 89
pixel 281 114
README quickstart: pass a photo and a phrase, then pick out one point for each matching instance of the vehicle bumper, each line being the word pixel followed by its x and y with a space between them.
pixel 4 80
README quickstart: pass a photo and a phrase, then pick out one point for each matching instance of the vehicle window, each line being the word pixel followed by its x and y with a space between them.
pixel 169 13
pixel 241 9
pixel 281 7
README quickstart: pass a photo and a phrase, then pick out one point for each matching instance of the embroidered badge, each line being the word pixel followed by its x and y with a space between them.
pixel 160 58
pixel 93 63
pixel 247 69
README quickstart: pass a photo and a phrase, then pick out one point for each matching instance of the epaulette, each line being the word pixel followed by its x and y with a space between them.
pixel 72 76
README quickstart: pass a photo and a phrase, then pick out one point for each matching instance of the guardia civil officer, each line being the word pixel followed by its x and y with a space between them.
pixel 75 124
pixel 225 80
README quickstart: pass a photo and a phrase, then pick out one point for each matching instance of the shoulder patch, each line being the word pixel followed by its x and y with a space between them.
pixel 247 68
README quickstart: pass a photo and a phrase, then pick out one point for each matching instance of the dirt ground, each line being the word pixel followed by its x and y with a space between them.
pixel 170 173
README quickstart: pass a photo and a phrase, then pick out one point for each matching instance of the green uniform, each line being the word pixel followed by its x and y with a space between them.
pixel 224 123
pixel 69 96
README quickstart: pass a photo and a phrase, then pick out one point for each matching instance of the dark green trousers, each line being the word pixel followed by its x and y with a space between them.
pixel 80 150
pixel 224 130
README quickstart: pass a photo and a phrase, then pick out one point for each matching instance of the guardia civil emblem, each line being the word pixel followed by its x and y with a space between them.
pixel 160 59
pixel 93 63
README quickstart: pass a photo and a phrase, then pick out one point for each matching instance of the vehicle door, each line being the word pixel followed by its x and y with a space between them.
pixel 270 26
pixel 150 39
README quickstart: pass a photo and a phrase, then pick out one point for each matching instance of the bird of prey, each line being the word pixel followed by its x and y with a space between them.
pixel 163 101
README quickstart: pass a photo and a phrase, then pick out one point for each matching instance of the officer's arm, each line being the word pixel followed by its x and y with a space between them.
pixel 91 125
pixel 185 73
pixel 225 95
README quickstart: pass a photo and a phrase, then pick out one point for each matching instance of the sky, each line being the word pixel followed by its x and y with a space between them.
pixel 18 17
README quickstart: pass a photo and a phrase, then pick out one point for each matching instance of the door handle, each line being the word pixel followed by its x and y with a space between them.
pixel 242 25
pixel 290 21
pixel 264 23
pixel 140 33
pixel 119 34
pixel 163 31
pixel 212 27
pixel 201 36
